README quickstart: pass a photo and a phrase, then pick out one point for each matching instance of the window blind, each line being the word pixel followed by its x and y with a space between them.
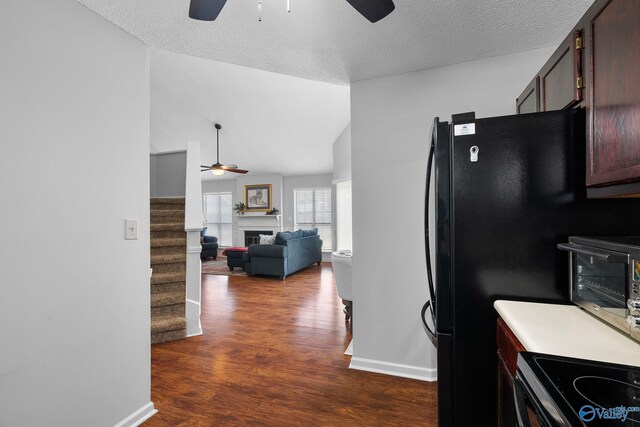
pixel 218 217
pixel 313 210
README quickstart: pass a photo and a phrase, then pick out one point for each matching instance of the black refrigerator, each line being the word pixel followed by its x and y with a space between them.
pixel 507 190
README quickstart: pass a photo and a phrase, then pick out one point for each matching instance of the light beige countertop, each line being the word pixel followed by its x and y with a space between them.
pixel 567 330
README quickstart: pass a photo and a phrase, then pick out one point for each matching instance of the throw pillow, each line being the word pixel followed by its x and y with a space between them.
pixel 267 239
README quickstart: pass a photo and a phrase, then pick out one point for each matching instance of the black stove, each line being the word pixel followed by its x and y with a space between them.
pixel 560 391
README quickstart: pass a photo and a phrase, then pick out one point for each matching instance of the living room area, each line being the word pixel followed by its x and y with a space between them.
pixel 293 136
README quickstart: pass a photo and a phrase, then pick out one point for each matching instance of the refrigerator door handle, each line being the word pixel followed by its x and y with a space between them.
pixel 598 253
pixel 432 293
pixel 429 305
pixel 430 332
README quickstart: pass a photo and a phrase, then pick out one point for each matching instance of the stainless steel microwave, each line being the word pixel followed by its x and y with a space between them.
pixel 605 279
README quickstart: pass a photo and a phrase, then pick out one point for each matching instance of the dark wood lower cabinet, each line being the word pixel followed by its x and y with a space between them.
pixel 507 358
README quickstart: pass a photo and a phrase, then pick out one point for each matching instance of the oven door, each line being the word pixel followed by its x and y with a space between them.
pixel 599 281
pixel 530 410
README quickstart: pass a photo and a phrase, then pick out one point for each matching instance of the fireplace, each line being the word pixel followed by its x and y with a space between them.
pixel 252 237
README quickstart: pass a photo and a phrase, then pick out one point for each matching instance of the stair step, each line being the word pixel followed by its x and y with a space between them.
pixel 168 336
pixel 174 267
pixel 171 241
pixel 169 310
pixel 159 278
pixel 169 287
pixel 157 259
pixel 169 250
pixel 170 234
pixel 168 226
pixel 167 213
pixel 159 217
pixel 168 323
pixel 167 298
pixel 167 200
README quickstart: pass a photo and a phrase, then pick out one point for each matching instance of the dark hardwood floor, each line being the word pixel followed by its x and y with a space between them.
pixel 272 354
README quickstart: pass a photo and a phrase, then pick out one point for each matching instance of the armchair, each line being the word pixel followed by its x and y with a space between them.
pixel 209 245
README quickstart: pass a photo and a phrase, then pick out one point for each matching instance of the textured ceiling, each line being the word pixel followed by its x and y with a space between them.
pixel 327 40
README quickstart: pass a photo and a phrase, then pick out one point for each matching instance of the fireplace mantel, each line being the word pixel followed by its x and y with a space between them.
pixel 255 222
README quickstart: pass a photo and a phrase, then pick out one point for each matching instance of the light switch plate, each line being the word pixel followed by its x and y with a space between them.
pixel 131 229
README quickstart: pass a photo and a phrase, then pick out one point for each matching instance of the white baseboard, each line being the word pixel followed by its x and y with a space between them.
pixel 139 416
pixel 194 327
pixel 349 350
pixel 395 369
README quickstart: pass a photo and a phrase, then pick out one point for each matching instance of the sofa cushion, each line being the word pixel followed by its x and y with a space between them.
pixel 283 236
pixel 311 232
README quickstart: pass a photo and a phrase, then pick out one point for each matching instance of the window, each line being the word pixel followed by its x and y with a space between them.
pixel 218 216
pixel 313 210
pixel 343 215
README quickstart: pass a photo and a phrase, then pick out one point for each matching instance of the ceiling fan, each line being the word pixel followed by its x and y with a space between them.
pixel 373 10
pixel 218 168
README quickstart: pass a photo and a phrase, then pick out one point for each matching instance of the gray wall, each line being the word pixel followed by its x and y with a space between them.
pixel 391 123
pixel 169 177
pixel 74 163
pixel 153 166
pixel 342 156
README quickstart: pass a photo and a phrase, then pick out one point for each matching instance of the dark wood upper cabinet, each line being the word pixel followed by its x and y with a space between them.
pixel 561 79
pixel 612 72
pixel 597 67
pixel 559 83
pixel 529 100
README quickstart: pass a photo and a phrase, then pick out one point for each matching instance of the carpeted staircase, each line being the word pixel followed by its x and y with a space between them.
pixel 168 261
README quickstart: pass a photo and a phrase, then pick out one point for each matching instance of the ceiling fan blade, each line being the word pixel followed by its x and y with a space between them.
pixel 373 10
pixel 205 10
pixel 206 166
pixel 236 170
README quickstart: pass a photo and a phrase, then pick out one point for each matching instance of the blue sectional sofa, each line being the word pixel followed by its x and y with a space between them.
pixel 292 251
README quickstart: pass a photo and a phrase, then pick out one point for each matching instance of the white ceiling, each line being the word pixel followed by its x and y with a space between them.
pixel 327 40
pixel 271 123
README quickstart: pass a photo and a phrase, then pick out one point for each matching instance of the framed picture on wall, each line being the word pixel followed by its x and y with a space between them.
pixel 257 197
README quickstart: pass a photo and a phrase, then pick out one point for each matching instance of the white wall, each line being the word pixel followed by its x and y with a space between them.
pixel 74 163
pixel 342 156
pixel 391 121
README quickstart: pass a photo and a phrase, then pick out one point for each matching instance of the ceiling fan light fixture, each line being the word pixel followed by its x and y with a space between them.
pixel 218 168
